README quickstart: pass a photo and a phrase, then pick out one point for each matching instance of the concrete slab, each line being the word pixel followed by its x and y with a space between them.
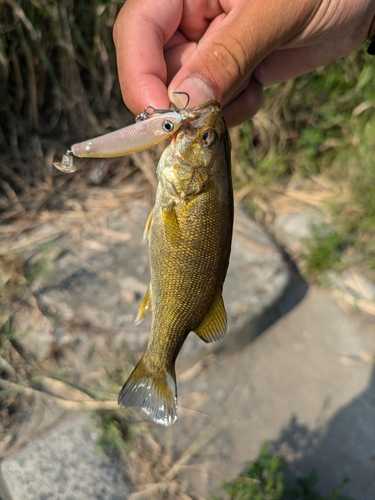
pixel 63 465
pixel 306 385
pixel 93 295
pixel 100 279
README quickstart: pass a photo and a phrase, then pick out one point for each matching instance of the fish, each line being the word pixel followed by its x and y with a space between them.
pixel 189 232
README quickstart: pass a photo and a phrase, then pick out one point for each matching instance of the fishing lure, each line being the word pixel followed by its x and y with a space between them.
pixel 148 131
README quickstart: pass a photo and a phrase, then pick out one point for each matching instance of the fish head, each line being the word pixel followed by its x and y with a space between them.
pixel 189 161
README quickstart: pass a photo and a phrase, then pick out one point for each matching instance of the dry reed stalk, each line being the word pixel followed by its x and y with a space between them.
pixel 85 403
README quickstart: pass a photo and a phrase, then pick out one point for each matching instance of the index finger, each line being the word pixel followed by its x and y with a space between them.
pixel 141 30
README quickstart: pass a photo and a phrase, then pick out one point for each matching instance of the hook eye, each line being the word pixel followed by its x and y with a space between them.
pixel 148 111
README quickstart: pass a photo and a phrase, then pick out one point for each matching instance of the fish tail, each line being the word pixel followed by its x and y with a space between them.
pixel 155 392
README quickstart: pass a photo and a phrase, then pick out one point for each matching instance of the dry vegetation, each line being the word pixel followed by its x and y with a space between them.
pixel 310 146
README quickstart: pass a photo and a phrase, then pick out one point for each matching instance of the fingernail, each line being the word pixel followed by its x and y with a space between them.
pixel 197 90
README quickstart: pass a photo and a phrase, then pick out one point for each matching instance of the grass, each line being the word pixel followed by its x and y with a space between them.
pixel 115 432
pixel 58 74
pixel 57 65
pixel 319 124
pixel 18 273
pixel 266 479
pixel 12 284
pixel 324 253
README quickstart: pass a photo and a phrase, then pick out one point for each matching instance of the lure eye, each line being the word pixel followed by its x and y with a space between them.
pixel 209 138
pixel 168 126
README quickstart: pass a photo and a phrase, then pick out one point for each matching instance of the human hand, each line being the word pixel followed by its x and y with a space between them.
pixel 228 49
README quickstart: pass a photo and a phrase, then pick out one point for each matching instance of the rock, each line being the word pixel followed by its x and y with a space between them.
pixel 306 385
pixel 353 286
pixel 63 465
pixel 292 230
pixel 32 330
pixel 351 282
pixel 132 289
pixel 104 291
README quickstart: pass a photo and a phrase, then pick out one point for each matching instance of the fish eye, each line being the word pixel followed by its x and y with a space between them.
pixel 168 126
pixel 209 138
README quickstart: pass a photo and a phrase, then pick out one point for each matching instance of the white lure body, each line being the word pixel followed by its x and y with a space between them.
pixel 131 139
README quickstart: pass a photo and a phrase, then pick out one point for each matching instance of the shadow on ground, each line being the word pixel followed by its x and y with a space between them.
pixel 345 448
pixel 292 295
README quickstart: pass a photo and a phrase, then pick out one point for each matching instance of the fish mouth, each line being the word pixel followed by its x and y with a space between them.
pixel 194 114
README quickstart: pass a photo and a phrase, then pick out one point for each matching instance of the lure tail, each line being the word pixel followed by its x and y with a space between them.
pixel 155 392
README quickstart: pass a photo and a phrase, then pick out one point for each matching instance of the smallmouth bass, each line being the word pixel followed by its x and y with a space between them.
pixel 190 233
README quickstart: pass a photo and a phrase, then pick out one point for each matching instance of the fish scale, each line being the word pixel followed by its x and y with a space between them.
pixel 189 232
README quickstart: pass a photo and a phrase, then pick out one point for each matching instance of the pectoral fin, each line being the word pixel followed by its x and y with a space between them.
pixel 148 225
pixel 214 325
pixel 145 308
pixel 171 227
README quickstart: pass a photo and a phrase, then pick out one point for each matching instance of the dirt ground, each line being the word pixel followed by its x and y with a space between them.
pixel 296 368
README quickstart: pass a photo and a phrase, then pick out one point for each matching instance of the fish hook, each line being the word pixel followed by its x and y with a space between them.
pixel 146 113
pixel 187 99
pixel 150 110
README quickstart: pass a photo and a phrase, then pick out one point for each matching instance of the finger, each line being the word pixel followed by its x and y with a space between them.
pixel 284 64
pixel 246 105
pixel 178 54
pixel 225 57
pixel 198 15
pixel 141 30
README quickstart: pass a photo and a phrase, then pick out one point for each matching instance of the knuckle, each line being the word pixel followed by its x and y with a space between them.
pixel 231 60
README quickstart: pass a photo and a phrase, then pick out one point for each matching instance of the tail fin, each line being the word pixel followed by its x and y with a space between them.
pixel 154 393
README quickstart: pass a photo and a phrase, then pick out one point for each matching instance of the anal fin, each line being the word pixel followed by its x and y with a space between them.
pixel 214 325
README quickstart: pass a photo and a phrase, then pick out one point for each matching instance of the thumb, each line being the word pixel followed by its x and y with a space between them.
pixel 224 58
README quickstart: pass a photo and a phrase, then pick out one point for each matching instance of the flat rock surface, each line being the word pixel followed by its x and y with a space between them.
pixel 102 274
pixel 294 369
pixel 64 465
pixel 306 385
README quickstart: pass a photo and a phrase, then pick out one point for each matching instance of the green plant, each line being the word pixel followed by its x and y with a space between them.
pixel 325 250
pixel 305 490
pixel 115 432
pixel 38 265
pixel 318 124
pixel 266 479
